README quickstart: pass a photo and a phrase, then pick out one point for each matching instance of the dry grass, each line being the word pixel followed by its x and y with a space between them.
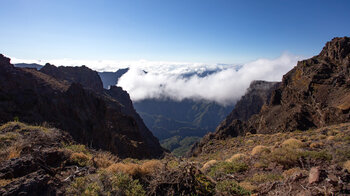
pixel 347 165
pixel 292 171
pixel 265 177
pixel 235 157
pixel 208 165
pixel 293 143
pixel 103 159
pixel 260 149
pixel 4 182
pixel 80 158
pixel 248 186
pixel 151 166
pixel 126 168
pixel 316 145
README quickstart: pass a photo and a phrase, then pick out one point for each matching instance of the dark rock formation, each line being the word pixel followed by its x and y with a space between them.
pixel 313 94
pixel 83 75
pixel 94 119
pixel 258 94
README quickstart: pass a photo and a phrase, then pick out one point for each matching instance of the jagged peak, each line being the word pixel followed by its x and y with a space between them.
pixel 337 49
pixel 4 59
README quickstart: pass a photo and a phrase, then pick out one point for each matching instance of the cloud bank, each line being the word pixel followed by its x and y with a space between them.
pixel 175 80
pixel 224 87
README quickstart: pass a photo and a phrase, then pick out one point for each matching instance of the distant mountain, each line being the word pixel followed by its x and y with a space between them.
pixel 26 65
pixel 180 123
pixel 111 78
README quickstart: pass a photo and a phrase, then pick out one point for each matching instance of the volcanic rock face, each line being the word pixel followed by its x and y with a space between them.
pixel 83 75
pixel 313 94
pixel 258 94
pixel 95 119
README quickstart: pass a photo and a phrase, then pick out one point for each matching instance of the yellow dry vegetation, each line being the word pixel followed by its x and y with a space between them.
pixel 293 143
pixel 208 165
pixel 260 149
pixel 235 157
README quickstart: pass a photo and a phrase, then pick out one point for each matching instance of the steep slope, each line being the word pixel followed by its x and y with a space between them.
pixel 258 94
pixel 93 119
pixel 313 94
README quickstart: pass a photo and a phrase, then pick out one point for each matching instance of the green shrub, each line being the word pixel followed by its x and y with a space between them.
pixel 287 157
pixel 230 187
pixel 317 155
pixel 104 183
pixel 78 148
pixel 227 168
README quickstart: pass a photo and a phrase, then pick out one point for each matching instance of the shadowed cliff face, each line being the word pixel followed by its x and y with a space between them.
pixel 82 75
pixel 313 94
pixel 94 119
pixel 258 94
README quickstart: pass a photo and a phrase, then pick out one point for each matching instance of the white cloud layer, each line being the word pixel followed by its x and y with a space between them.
pixel 224 87
pixel 165 79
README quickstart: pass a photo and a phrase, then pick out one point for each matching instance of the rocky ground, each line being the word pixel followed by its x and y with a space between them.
pixel 39 160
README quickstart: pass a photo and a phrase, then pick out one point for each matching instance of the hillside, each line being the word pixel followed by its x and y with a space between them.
pixel 42 160
pixel 94 119
pixel 315 93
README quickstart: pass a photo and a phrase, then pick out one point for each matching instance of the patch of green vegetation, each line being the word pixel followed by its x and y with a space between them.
pixel 222 168
pixel 104 183
pixel 78 148
pixel 230 187
pixel 205 186
pixel 178 145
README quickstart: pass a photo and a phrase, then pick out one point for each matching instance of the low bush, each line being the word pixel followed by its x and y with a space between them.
pixel 259 150
pixel 104 183
pixel 235 157
pixel 293 143
pixel 79 158
pixel 230 187
pixel 223 168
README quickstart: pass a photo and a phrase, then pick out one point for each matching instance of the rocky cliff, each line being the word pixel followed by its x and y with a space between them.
pixel 258 94
pixel 315 93
pixel 83 75
pixel 94 119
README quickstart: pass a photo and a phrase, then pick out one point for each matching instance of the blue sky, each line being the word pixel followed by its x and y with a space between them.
pixel 208 31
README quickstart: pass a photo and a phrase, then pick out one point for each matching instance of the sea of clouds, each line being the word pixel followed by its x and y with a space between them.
pixel 175 80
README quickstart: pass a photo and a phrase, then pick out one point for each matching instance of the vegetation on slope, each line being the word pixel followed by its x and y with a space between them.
pixel 41 158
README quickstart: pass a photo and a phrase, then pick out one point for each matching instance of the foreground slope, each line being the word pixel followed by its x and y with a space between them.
pixel 92 118
pixel 41 160
pixel 313 94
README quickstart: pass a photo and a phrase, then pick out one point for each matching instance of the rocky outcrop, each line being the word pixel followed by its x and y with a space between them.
pixel 315 93
pixel 258 94
pixel 83 75
pixel 94 119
